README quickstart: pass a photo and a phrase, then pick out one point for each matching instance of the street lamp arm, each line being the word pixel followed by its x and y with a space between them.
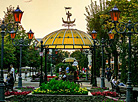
pixel 122 27
pixel 26 42
pixel 3 27
pixel 11 26
pixel 135 28
pixel 15 42
pixel 21 42
pixel 97 42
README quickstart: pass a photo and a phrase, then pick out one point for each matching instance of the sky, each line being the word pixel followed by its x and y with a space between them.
pixel 45 16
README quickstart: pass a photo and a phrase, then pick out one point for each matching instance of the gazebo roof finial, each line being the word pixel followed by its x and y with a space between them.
pixel 68 23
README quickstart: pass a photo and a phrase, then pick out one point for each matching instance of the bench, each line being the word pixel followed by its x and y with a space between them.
pixel 119 89
pixel 8 86
pixel 113 86
pixel 122 90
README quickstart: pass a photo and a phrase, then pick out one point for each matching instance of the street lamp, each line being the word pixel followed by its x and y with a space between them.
pixel 46 52
pixel 17 17
pixel 21 43
pixel 94 35
pixel 41 54
pixel 86 52
pixel 129 29
pixel 56 52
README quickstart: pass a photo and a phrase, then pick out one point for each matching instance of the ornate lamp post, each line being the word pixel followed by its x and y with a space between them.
pixel 129 29
pixel 91 49
pixel 21 42
pixel 17 17
pixel 94 35
pixel 86 52
pixel 46 52
pixel 56 52
pixel 41 54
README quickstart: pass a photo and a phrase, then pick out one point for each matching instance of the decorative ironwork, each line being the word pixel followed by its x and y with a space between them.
pixel 68 23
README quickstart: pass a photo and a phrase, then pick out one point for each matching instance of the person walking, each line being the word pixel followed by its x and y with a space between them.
pixel 26 74
pixel 67 69
pixel 12 71
pixel 10 82
pixel 109 73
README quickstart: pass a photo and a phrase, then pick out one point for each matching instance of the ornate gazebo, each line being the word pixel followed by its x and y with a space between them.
pixel 66 39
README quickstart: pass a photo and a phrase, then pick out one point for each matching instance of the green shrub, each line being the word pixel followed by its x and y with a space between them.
pixel 61 87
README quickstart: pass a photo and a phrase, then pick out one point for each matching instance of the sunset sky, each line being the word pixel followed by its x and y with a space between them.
pixel 45 16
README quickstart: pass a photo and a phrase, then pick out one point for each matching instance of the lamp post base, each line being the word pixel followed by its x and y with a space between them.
pixel 102 82
pixel 41 80
pixel 2 97
pixel 94 81
pixel 129 95
pixel 20 82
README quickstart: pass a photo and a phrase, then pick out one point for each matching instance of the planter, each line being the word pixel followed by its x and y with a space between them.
pixel 57 98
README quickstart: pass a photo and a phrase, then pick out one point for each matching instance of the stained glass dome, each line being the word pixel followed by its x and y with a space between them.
pixel 67 39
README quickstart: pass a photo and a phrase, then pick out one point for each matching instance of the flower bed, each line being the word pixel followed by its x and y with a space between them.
pixel 17 93
pixel 61 87
pixel 105 93
pixel 55 98
pixel 27 88
pixel 104 88
pixel 112 100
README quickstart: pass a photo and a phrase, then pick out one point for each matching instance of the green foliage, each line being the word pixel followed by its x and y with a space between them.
pixel 81 58
pixel 98 61
pixel 64 65
pixel 98 18
pixel 12 53
pixel 61 87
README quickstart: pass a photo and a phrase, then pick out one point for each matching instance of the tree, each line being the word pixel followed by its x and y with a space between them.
pixel 81 58
pixel 11 53
pixel 104 25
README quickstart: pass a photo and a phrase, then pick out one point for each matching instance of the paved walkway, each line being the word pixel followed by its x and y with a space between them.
pixel 36 84
pixel 84 84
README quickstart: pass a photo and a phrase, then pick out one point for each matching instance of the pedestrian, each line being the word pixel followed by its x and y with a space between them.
pixel 10 82
pixel 64 76
pixel 83 69
pixel 15 74
pixel 114 80
pixel 67 69
pixel 76 75
pixel 120 83
pixel 12 71
pixel 108 73
pixel 60 69
pixel 26 74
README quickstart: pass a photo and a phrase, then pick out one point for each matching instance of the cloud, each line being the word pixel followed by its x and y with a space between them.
pixel 28 1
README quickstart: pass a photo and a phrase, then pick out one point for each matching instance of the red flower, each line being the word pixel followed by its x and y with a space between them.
pixel 106 93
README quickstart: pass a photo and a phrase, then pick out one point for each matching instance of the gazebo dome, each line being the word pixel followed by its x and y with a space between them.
pixel 67 39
